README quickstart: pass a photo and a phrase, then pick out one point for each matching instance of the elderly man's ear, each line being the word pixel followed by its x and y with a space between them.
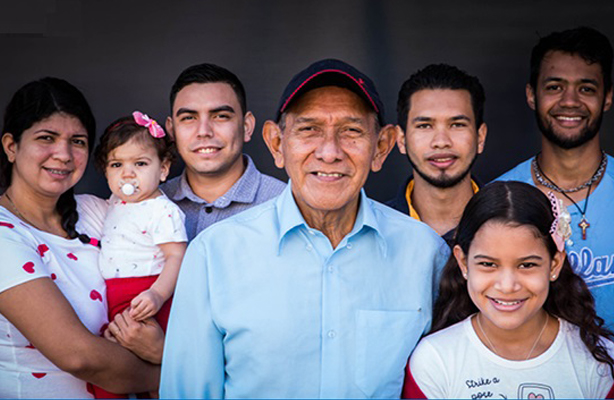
pixel 271 132
pixel 385 142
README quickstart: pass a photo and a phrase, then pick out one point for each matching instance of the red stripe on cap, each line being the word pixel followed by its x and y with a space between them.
pixel 325 71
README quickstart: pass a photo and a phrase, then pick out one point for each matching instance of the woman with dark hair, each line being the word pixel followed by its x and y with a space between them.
pixel 52 296
pixel 512 319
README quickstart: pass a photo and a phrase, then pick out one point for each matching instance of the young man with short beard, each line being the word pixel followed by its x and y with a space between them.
pixel 569 89
pixel 441 130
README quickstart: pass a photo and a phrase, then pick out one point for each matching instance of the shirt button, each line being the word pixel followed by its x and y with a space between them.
pixel 331 334
pixel 309 247
pixel 330 269
pixel 209 210
pixel 311 232
pixel 349 245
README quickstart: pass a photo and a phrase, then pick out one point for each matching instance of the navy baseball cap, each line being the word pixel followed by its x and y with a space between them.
pixel 331 72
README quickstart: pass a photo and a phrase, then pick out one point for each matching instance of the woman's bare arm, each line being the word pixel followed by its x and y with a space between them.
pixel 43 315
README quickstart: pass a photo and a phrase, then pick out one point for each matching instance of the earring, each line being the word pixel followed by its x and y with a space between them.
pixel 465 275
pixel 553 276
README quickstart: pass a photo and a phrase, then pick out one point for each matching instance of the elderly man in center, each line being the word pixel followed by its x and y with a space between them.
pixel 320 292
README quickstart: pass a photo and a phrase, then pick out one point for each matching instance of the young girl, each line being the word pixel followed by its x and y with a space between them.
pixel 143 238
pixel 518 322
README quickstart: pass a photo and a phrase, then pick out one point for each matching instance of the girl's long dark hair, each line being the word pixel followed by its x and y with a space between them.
pixel 33 103
pixel 520 204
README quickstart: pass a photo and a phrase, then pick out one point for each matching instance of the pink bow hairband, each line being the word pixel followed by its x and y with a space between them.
pixel 561 228
pixel 154 128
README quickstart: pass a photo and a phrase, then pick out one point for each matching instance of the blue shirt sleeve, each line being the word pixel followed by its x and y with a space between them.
pixel 441 259
pixel 193 360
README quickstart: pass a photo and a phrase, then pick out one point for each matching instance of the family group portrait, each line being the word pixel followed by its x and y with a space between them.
pixel 334 199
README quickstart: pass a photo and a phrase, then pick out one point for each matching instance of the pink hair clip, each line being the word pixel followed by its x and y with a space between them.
pixel 154 128
pixel 561 228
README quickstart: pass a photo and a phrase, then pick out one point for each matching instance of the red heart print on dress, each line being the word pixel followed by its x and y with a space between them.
pixel 94 295
pixel 29 346
pixel 7 224
pixel 534 396
pixel 42 249
pixel 38 375
pixel 28 267
pixel 53 277
pixel 71 256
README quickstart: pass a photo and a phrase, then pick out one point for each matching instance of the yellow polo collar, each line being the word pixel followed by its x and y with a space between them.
pixel 410 188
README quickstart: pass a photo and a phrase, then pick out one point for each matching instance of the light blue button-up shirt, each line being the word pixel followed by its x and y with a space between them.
pixel 265 307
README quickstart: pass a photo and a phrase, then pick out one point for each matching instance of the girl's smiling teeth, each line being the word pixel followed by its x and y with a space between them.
pixel 506 302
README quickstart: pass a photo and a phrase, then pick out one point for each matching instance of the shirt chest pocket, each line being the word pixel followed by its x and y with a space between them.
pixel 384 341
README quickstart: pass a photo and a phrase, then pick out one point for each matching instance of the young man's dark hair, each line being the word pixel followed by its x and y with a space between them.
pixel 441 76
pixel 209 73
pixel 588 43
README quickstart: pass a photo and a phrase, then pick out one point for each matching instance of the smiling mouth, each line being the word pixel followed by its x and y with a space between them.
pixel 58 171
pixel 570 119
pixel 442 162
pixel 507 303
pixel 328 175
pixel 207 150
pixel 442 159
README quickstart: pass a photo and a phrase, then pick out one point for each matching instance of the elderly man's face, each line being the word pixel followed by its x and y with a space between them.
pixel 329 144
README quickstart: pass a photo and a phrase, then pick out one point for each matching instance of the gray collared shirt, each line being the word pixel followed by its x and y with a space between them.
pixel 252 188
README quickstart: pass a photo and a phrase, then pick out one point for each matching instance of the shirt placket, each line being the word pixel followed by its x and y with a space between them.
pixel 331 331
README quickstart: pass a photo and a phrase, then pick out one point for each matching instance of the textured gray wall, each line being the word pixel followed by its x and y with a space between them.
pixel 125 55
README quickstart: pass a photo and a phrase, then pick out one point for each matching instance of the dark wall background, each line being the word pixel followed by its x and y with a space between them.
pixel 125 55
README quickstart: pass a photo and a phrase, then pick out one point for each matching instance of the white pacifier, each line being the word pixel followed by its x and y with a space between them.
pixel 128 188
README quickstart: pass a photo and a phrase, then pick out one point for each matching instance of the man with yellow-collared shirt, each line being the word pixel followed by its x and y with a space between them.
pixel 441 130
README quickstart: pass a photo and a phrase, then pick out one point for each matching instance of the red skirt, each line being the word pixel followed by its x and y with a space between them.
pixel 120 292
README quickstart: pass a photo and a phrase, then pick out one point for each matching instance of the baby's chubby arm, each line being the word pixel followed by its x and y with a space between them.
pixel 149 302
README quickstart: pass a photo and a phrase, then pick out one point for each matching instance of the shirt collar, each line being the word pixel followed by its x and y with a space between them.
pixel 290 217
pixel 410 188
pixel 244 189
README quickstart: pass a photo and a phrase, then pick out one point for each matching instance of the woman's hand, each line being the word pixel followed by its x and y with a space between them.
pixel 144 338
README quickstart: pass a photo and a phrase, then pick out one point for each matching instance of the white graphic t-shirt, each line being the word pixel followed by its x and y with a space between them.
pixel 454 363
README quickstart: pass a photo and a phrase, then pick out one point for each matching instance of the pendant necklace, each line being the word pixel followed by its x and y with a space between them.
pixel 544 180
pixel 547 182
pixel 492 346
